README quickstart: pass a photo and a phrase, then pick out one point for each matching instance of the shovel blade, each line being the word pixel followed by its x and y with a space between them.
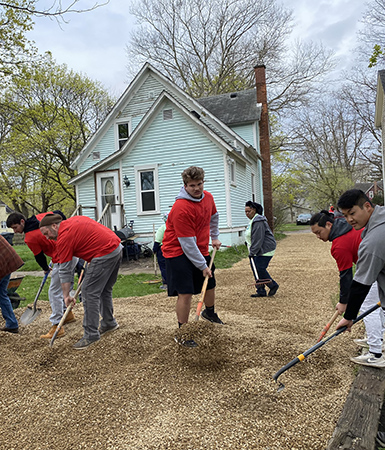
pixel 29 315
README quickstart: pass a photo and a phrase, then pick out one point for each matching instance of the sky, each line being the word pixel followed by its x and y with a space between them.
pixel 93 43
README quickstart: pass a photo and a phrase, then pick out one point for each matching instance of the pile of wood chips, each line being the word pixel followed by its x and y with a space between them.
pixel 137 389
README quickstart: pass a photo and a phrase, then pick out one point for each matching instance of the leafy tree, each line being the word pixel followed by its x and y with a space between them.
pixel 15 49
pixel 372 35
pixel 50 113
pixel 326 142
pixel 210 47
pixel 16 19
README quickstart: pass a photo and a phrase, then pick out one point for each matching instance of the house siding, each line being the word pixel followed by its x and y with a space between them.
pixel 86 197
pixel 105 146
pixel 172 156
pixel 143 99
pixel 246 132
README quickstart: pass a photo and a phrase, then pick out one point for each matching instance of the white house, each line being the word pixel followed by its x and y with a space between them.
pixel 155 130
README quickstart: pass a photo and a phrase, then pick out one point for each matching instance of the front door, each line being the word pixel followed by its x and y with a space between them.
pixel 109 192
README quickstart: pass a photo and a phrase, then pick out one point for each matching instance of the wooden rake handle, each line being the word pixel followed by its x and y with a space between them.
pixel 204 287
pixel 69 308
pixel 328 325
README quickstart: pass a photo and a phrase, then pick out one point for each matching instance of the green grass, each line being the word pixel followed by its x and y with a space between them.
pixel 292 227
pixel 126 285
pixel 26 255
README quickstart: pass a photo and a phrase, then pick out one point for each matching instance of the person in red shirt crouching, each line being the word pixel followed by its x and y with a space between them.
pixel 345 243
pixel 100 247
pixel 41 248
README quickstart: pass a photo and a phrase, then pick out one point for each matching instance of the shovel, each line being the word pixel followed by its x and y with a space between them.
pixel 203 293
pixel 30 314
pixel 301 357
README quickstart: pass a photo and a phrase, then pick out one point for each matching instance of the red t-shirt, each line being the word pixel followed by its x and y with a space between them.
pixel 85 238
pixel 38 243
pixel 345 248
pixel 188 219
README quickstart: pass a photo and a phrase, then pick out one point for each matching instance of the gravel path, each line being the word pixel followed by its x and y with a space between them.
pixel 136 389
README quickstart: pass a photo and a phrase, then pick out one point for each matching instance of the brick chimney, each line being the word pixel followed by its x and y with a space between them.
pixel 264 142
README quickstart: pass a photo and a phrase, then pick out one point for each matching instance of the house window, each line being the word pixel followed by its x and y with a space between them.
pixel 148 191
pixel 253 197
pixel 371 194
pixel 232 171
pixel 96 156
pixel 123 133
pixel 3 224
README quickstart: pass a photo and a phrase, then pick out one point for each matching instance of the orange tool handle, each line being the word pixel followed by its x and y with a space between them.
pixel 204 287
pixel 328 325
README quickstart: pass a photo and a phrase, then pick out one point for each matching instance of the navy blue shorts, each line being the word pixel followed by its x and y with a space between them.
pixel 184 278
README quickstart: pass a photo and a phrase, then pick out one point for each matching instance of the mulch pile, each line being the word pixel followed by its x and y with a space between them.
pixel 137 389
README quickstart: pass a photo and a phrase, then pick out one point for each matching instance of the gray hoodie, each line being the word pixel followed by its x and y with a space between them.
pixel 339 228
pixel 188 244
pixel 262 238
pixel 371 253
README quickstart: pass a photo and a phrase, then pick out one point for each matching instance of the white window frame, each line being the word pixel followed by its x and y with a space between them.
pixel 122 122
pixel 138 170
pixel 233 172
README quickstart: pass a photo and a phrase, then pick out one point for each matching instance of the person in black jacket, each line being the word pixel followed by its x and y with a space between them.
pixel 261 243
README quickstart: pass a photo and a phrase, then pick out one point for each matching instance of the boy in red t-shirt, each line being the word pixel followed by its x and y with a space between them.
pixel 190 223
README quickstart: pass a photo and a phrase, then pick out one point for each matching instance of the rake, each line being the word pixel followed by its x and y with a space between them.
pixel 315 347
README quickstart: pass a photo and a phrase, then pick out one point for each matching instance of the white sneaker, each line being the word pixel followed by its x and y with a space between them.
pixel 364 343
pixel 361 342
pixel 368 359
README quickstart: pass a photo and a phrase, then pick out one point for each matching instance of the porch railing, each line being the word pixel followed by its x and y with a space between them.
pixel 105 216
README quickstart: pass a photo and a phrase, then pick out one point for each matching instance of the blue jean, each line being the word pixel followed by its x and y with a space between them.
pixel 6 305
pixel 261 264
pixel 162 265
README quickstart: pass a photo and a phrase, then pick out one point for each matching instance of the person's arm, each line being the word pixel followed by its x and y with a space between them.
pixel 357 295
pixel 346 278
pixel 257 236
pixel 41 259
pixel 191 250
pixel 66 278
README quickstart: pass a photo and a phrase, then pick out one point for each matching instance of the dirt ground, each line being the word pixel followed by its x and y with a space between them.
pixel 137 389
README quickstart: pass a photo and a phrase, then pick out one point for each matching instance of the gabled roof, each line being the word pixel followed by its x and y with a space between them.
pixel 8 210
pixel 379 98
pixel 144 123
pixel 210 120
pixel 235 108
pixel 365 187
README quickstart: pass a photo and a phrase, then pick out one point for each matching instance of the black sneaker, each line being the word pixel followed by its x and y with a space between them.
pixel 211 318
pixel 258 295
pixel 83 343
pixel 108 330
pixel 189 343
pixel 273 290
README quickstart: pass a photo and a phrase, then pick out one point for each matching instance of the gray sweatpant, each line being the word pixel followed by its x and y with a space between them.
pixel 100 277
pixel 55 293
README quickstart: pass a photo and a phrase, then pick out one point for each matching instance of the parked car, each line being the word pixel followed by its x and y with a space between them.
pixel 303 219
